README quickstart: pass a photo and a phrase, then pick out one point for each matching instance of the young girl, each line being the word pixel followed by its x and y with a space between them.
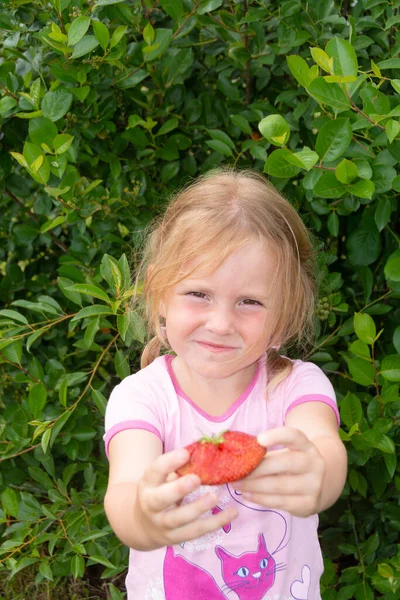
pixel 228 281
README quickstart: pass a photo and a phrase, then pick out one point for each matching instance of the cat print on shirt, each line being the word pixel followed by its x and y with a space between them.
pixel 249 575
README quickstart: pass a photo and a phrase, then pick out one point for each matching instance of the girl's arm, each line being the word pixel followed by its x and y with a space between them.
pixel 308 474
pixel 143 497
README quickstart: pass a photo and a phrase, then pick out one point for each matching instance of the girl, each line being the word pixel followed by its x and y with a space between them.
pixel 228 281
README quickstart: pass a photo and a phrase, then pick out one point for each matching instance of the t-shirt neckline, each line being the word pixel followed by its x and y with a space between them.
pixel 168 360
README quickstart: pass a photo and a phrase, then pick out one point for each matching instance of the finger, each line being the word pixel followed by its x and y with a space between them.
pixel 281 461
pixel 284 436
pixel 201 527
pixel 163 496
pixel 298 505
pixel 189 512
pixel 157 473
pixel 283 485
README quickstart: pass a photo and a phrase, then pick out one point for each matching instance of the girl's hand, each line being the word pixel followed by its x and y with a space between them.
pixel 289 479
pixel 159 494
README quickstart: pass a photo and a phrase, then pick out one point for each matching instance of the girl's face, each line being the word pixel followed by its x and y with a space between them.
pixel 218 323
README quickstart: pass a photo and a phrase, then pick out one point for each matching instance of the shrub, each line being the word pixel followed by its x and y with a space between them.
pixel 106 107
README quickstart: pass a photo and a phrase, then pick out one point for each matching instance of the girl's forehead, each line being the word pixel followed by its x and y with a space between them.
pixel 252 262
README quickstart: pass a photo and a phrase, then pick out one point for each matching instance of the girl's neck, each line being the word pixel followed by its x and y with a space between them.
pixel 213 396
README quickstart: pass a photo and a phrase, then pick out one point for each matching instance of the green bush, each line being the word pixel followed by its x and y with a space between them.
pixel 107 106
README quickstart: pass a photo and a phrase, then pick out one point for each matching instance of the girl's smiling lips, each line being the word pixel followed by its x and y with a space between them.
pixel 215 347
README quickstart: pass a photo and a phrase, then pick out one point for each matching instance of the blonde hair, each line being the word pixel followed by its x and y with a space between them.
pixel 214 216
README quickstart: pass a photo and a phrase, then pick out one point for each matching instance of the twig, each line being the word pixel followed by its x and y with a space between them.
pixel 7 91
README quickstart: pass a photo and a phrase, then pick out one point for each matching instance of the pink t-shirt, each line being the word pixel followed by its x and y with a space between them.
pixel 263 554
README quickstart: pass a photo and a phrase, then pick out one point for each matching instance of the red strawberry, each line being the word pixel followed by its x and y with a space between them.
pixel 227 457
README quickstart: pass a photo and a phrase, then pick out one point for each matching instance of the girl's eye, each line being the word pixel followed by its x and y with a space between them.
pixel 250 302
pixel 197 294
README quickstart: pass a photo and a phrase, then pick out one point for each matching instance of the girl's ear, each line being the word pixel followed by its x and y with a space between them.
pixel 162 309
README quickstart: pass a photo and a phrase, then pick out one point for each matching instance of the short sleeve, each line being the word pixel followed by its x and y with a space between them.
pixel 136 403
pixel 308 383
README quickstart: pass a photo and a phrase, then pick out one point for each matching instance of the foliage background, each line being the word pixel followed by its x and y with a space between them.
pixel 106 107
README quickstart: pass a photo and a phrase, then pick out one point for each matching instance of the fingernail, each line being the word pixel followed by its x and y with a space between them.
pixel 192 482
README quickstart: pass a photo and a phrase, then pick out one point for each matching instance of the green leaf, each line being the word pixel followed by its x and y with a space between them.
pixel 220 147
pixel 56 104
pixel 62 142
pixel 91 331
pixel 77 29
pixel 37 399
pixel 322 59
pixel 122 324
pixel 101 34
pixel 330 94
pixel 87 44
pixel 360 349
pixel 121 365
pixel 351 410
pixel 107 2
pixel 218 134
pixel 96 558
pixel 44 442
pixel 118 35
pixel 362 371
pixel 208 6
pixel 333 139
pixel 344 57
pixel 64 284
pixel 55 192
pixel 52 223
pixel 382 213
pixel 100 401
pixel 363 188
pixel 277 164
pixel 92 311
pixel 168 126
pixel 396 339
pixel 148 34
pixel 12 350
pixel 392 129
pixel 390 367
pixel 396 85
pixel 90 290
pixel 42 131
pixel 333 224
pixel 20 159
pixel 300 70
pixel 173 8
pixel 14 315
pixel 9 501
pixel 392 267
pixel 137 327
pixel 32 338
pixel 6 104
pixel 390 63
pixel 242 123
pixel 161 43
pixel 275 129
pixel 328 186
pixel 363 246
pixel 346 171
pixel 78 564
pixel 364 327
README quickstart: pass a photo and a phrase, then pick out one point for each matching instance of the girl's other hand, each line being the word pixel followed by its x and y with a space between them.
pixel 289 479
pixel 158 504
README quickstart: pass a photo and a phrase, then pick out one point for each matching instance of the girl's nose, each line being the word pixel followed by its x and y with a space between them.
pixel 221 320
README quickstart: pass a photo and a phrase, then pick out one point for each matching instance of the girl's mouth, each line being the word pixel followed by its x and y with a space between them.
pixel 215 347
